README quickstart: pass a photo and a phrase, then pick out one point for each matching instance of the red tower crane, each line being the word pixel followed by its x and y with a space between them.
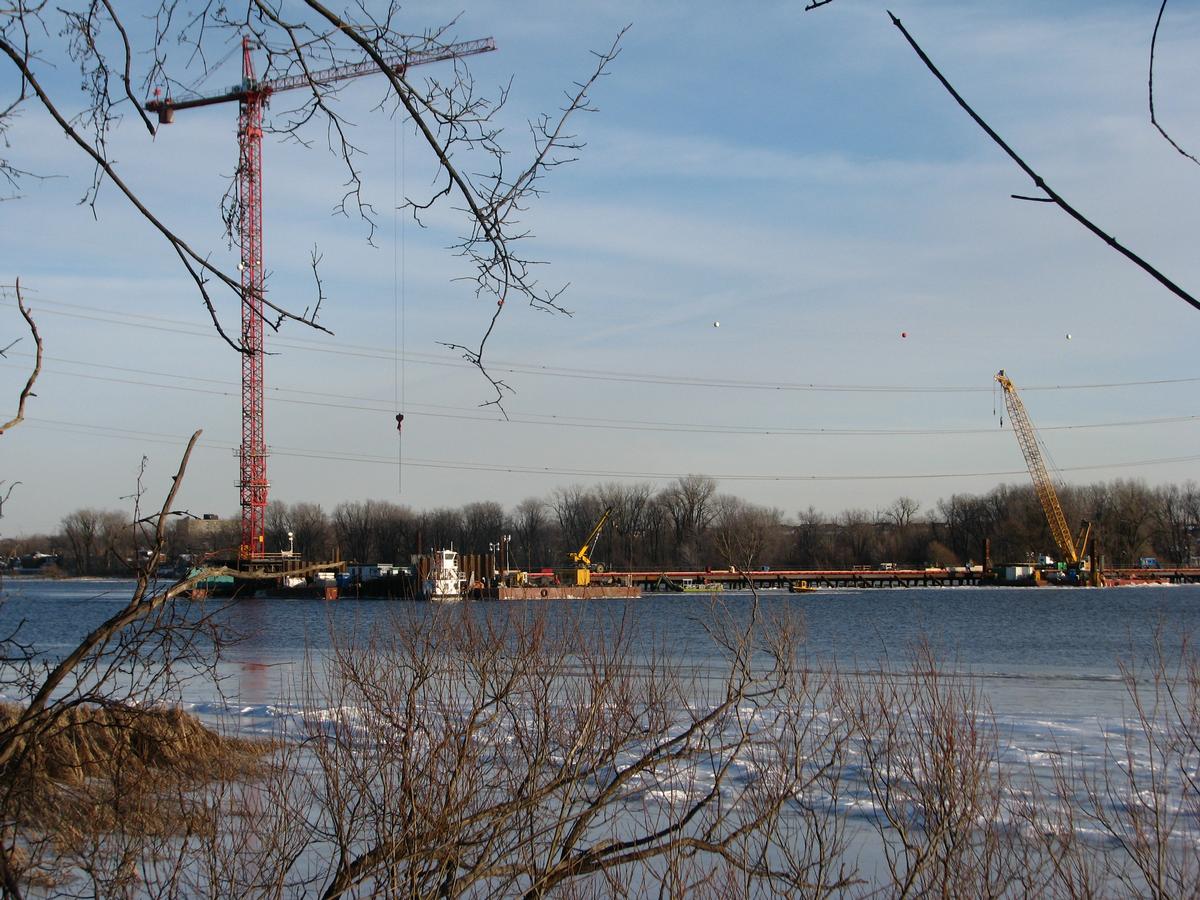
pixel 252 96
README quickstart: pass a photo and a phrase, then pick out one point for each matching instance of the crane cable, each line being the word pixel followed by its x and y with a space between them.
pixel 399 297
pixel 194 87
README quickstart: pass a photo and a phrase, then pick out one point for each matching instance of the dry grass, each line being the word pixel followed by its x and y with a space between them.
pixel 98 769
pixel 86 742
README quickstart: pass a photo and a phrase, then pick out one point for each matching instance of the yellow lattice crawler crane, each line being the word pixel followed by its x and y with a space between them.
pixel 1073 551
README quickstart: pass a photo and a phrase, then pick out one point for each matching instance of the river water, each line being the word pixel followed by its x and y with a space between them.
pixel 1045 658
pixel 1038 653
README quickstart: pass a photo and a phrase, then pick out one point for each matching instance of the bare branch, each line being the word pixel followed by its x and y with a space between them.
pixel 27 391
pixel 140 606
pixel 196 264
pixel 7 494
pixel 315 262
pixel 491 201
pixel 1150 87
pixel 126 76
pixel 1037 179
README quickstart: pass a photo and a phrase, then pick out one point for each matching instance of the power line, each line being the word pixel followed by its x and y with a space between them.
pixel 617 376
pixel 338 401
pixel 580 472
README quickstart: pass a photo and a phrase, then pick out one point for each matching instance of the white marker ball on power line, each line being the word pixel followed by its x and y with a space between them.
pixel 1068 337
pixel 716 324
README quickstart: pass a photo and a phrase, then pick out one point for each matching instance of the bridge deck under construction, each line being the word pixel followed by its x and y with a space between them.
pixel 785 579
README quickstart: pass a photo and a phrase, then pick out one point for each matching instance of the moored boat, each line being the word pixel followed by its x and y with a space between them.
pixel 445 583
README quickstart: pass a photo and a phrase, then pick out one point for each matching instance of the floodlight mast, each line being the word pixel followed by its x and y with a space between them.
pixel 252 96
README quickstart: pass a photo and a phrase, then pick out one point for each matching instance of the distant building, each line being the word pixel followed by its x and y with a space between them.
pixel 209 532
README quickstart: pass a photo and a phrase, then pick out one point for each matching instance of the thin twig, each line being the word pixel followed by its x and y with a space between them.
pixel 7 494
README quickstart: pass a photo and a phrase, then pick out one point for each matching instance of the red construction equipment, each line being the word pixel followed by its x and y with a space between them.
pixel 252 96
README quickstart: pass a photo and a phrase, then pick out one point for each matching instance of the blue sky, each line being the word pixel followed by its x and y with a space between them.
pixel 798 177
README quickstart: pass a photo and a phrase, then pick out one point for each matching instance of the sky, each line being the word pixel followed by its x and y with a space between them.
pixel 797 177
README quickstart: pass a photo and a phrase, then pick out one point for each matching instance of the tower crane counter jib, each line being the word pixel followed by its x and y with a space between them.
pixel 252 96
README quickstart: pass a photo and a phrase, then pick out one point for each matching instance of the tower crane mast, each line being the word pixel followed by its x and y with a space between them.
pixel 252 97
pixel 1042 485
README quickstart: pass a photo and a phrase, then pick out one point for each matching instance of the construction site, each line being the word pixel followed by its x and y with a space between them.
pixel 440 573
pixel 252 566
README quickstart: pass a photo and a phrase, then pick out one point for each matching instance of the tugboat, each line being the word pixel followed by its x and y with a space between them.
pixel 444 584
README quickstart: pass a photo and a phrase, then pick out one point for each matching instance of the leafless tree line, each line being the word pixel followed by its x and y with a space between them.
pixel 688 524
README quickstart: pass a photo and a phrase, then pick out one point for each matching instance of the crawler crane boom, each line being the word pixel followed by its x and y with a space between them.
pixel 583 556
pixel 1042 485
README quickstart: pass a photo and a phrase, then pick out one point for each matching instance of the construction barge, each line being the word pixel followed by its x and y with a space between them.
pixel 445 576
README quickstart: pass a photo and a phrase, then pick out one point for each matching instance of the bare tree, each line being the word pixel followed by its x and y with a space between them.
pixel 858 537
pixel 81 532
pixel 531 532
pixel 539 756
pixel 354 528
pixel 577 509
pixel 930 756
pixel 108 684
pixel 277 526
pixel 1128 524
pixel 1147 794
pixel 744 534
pixel 689 501
pixel 1176 520
pixel 394 531
pixel 902 511
pixel 483 523
pixel 310 528
pixel 811 538
pixel 441 528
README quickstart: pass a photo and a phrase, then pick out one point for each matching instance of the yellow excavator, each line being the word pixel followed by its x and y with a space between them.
pixel 583 556
pixel 1074 550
